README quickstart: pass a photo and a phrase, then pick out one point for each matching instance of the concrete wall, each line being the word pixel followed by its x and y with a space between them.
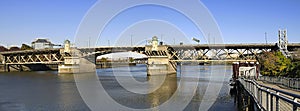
pixel 160 47
pixel 158 60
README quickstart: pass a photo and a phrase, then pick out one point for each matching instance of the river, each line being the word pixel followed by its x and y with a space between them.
pixel 192 88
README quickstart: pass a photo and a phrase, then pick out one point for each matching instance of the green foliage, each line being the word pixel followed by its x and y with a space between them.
pixel 26 47
pixel 131 59
pixel 274 64
pixel 103 59
pixel 294 70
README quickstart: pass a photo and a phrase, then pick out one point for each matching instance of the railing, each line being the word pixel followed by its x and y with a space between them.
pixel 270 99
pixel 293 83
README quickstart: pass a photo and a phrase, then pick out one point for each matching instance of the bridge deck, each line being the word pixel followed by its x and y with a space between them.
pixel 29 51
pixel 226 60
pixel 233 46
pixel 195 46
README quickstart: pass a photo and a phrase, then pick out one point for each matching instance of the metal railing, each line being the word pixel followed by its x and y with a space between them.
pixel 293 83
pixel 270 99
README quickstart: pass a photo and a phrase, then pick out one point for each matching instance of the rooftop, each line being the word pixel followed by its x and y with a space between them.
pixel 41 40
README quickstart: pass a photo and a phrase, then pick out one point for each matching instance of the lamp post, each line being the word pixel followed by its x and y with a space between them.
pixel 196 40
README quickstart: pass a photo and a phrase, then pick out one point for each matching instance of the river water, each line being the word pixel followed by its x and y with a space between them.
pixel 192 88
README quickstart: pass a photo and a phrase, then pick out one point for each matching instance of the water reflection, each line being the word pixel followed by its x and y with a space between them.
pixel 38 91
pixel 164 92
pixel 31 91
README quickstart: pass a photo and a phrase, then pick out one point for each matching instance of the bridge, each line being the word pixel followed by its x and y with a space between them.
pixel 162 58
pixel 174 53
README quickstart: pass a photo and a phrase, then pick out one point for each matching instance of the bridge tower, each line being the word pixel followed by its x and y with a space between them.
pixel 159 59
pixel 283 42
pixel 67 46
pixel 74 61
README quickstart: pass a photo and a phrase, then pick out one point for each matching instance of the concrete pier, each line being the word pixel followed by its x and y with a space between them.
pixel 159 59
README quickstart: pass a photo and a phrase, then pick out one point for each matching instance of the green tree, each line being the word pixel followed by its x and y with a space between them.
pixel 26 47
pixel 131 59
pixel 294 70
pixel 283 64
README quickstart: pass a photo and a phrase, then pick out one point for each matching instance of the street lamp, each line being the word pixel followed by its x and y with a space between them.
pixel 196 40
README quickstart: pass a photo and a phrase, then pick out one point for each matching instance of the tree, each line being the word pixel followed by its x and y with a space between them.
pixel 268 61
pixel 26 47
pixel 294 70
pixel 274 64
pixel 283 64
pixel 131 59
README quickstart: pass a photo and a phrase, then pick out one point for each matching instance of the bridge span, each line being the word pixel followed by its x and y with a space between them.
pixel 173 53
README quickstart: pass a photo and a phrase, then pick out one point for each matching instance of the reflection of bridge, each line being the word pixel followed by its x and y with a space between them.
pixel 174 53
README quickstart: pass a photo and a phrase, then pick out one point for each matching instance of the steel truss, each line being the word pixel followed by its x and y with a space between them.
pixel 217 54
pixel 33 57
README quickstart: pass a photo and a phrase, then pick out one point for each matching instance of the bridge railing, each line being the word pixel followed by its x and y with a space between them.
pixel 271 99
pixel 293 83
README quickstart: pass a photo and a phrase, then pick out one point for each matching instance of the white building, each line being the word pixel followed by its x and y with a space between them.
pixel 41 43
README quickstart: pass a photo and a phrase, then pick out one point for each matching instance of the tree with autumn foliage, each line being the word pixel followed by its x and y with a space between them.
pixel 274 64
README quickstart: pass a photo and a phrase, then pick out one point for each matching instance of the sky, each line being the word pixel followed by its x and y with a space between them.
pixel 21 21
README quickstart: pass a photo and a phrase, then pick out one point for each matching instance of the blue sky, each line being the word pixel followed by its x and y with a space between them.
pixel 239 21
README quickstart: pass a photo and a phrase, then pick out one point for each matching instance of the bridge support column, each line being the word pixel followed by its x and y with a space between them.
pixel 160 65
pixel 20 68
pixel 73 65
pixel 7 68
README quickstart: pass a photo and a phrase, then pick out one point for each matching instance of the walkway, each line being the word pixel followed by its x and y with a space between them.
pixel 279 87
pixel 282 105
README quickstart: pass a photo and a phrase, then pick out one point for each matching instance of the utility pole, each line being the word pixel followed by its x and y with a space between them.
pixel 174 40
pixel 208 35
pixel 108 43
pixel 161 38
pixel 266 38
pixel 89 41
pixel 130 40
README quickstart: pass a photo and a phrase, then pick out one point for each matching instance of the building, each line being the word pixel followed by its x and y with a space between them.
pixel 41 43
